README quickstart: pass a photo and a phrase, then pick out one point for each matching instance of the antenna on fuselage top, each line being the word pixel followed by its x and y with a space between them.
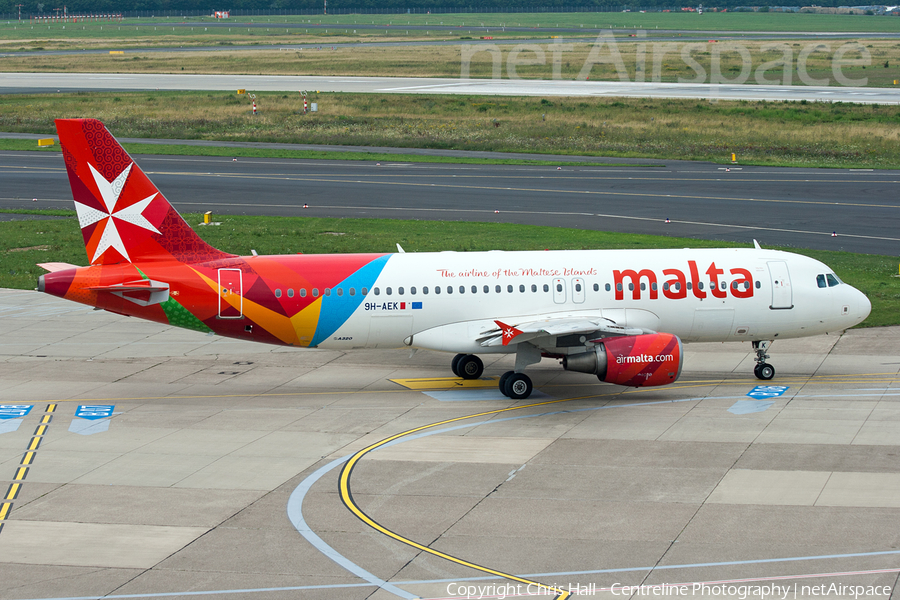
pixel 400 250
pixel 756 245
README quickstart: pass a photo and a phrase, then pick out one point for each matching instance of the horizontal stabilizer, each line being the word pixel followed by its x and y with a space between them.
pixel 134 286
pixel 54 267
pixel 142 292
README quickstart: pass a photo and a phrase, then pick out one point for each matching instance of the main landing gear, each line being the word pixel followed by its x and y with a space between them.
pixel 467 366
pixel 763 370
pixel 513 385
pixel 516 385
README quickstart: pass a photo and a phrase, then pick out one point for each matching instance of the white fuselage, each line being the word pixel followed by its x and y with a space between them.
pixel 445 301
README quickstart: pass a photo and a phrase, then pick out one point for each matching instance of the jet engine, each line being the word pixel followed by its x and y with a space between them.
pixel 631 360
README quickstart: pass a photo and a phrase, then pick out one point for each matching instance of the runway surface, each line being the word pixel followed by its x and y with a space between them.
pixel 778 206
pixel 146 461
pixel 53 82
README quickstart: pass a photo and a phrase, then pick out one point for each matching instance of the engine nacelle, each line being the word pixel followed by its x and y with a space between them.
pixel 632 360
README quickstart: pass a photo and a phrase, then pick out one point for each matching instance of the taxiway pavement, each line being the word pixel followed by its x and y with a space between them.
pixel 154 461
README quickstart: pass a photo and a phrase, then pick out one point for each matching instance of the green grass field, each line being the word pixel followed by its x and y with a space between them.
pixel 799 134
pixel 168 31
pixel 23 244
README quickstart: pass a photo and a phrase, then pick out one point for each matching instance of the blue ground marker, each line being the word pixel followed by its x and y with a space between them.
pixel 11 416
pixel 758 404
pixel 88 419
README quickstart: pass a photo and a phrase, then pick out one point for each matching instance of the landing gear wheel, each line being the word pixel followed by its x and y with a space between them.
pixel 470 367
pixel 503 379
pixel 454 364
pixel 518 386
pixel 764 371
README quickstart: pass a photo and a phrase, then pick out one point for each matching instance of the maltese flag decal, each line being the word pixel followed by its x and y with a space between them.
pixel 509 332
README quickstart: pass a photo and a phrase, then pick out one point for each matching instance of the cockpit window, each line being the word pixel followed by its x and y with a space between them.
pixel 820 281
pixel 832 280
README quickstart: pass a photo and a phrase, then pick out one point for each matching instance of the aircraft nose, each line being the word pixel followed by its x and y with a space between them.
pixel 864 306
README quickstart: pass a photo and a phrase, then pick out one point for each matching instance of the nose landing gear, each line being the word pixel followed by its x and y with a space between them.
pixel 763 370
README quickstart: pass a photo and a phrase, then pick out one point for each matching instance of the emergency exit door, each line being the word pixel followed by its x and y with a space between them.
pixel 231 294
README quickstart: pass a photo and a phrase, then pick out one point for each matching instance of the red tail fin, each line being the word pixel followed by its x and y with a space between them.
pixel 123 217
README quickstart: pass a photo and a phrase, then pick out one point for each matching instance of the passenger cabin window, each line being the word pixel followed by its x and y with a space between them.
pixel 364 291
pixel 340 291
pixel 315 292
pixel 400 291
pixel 533 287
pixel 437 289
pixel 327 291
pixel 290 293
pixel 425 290
pixel 498 289
pixel 278 292
pixel 462 289
pixel 607 287
pixel 546 288
pixel 521 288
pixel 509 289
pixel 388 291
pixel 352 291
pixel 303 292
pixel 412 291
pixel 377 291
pixel 487 289
pixel 449 289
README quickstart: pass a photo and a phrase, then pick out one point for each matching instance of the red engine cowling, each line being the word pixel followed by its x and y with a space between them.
pixel 632 360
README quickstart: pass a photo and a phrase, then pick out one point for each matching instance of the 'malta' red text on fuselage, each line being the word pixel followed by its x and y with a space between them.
pixel 676 286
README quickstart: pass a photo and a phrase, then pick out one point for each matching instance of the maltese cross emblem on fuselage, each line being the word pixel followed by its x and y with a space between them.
pixel 110 192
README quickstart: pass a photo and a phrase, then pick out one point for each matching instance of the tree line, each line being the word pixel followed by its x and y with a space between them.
pixel 262 7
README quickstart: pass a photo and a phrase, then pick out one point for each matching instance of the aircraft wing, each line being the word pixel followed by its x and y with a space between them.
pixel 593 327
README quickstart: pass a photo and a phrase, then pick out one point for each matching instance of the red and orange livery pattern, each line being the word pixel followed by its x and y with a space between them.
pixel 124 218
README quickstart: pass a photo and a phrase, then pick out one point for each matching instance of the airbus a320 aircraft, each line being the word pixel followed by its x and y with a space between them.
pixel 618 314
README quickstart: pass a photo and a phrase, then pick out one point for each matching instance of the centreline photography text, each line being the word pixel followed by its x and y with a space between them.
pixel 735 591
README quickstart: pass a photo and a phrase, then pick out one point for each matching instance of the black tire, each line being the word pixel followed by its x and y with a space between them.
pixel 518 386
pixel 503 379
pixel 764 371
pixel 470 367
pixel 454 364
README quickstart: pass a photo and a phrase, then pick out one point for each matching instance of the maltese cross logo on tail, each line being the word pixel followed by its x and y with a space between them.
pixel 509 332
pixel 110 192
